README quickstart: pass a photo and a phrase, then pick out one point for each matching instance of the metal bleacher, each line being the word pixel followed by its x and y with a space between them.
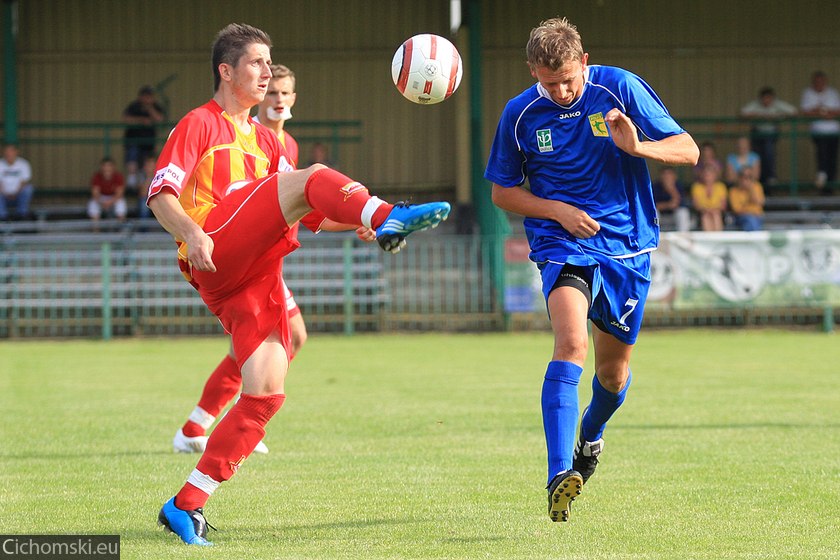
pixel 61 279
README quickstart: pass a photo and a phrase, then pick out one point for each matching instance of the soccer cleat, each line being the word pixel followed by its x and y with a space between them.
pixel 189 525
pixel 261 448
pixel 586 456
pixel 408 218
pixel 562 491
pixel 185 444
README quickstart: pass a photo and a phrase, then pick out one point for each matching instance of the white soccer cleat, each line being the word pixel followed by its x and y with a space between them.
pixel 184 444
pixel 261 448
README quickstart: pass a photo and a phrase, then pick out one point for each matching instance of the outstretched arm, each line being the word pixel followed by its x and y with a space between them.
pixel 680 149
pixel 522 202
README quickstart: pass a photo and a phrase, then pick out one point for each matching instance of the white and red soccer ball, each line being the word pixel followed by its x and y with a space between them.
pixel 426 69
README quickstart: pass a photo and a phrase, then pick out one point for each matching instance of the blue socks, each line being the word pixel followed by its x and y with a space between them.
pixel 601 408
pixel 560 414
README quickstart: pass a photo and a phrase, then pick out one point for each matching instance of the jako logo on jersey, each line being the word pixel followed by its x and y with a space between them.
pixel 544 140
pixel 598 124
pixel 172 173
pixel 352 188
pixel 568 115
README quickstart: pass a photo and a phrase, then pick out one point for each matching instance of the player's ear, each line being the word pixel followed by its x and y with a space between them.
pixel 225 71
pixel 584 60
pixel 532 70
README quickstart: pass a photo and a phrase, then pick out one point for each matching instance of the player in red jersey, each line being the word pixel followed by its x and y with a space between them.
pixel 224 383
pixel 218 191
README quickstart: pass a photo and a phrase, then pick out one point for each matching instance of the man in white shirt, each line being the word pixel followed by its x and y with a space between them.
pixel 15 183
pixel 821 100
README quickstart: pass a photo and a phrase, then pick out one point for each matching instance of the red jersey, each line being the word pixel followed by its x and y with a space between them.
pixel 206 153
pixel 107 187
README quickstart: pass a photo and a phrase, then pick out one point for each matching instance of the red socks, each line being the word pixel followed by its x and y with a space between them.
pixel 344 200
pixel 219 389
pixel 231 443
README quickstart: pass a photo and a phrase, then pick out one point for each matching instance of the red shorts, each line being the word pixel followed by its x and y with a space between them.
pixel 246 292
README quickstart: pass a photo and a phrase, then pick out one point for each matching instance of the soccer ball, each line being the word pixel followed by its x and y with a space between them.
pixel 426 69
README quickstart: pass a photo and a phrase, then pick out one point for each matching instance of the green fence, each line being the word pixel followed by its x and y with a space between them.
pixel 121 284
pixel 73 283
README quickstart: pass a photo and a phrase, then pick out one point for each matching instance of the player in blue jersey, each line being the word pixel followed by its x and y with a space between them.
pixel 580 137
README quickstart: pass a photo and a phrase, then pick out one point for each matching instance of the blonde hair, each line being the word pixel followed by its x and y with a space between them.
pixel 553 43
pixel 281 71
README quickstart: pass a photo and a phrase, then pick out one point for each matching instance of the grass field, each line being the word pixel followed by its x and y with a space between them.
pixel 430 446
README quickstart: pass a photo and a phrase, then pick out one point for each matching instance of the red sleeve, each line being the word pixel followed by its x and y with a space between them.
pixel 179 156
pixel 313 221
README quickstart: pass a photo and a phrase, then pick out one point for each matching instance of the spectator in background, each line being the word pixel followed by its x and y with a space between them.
pixel 107 192
pixel 320 154
pixel 670 198
pixel 708 196
pixel 742 158
pixel 821 100
pixel 765 112
pixel 142 115
pixel 16 188
pixel 708 158
pixel 746 201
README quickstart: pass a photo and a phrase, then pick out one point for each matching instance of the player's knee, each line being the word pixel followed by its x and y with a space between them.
pixel 571 349
pixel 313 168
pixel 613 376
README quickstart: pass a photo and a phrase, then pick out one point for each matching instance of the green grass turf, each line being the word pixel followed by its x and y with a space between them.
pixel 431 446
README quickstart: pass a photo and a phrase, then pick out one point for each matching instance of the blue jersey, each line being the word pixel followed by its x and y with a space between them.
pixel 566 154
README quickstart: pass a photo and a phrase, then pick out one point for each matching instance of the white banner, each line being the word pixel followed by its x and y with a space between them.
pixel 766 268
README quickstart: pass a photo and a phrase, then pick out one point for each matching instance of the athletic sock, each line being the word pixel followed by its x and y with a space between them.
pixel 602 406
pixel 344 200
pixel 233 440
pixel 560 413
pixel 220 388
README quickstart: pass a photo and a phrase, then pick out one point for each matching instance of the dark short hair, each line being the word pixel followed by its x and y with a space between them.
pixel 146 90
pixel 766 90
pixel 231 43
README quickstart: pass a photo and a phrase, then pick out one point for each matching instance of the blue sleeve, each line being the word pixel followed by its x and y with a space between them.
pixel 506 164
pixel 646 110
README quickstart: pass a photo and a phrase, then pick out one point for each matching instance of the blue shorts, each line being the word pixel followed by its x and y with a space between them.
pixel 619 287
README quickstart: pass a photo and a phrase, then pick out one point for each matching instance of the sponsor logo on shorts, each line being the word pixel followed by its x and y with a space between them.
pixel 352 188
pixel 171 174
pixel 618 325
pixel 598 125
pixel 235 187
pixel 284 166
pixel 544 140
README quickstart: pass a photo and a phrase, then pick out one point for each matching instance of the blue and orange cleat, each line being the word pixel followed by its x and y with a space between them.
pixel 408 218
pixel 189 525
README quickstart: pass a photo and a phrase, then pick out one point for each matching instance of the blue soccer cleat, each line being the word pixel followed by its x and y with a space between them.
pixel 189 525
pixel 562 491
pixel 408 218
